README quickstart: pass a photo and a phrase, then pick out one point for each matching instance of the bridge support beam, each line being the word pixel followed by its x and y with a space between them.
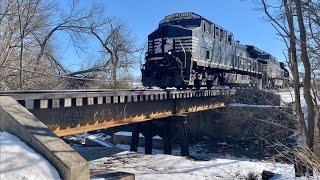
pixel 148 134
pixel 182 134
pixel 164 128
pixel 135 138
pixel 167 137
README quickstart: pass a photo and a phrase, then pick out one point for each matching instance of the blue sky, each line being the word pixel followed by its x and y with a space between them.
pixel 142 17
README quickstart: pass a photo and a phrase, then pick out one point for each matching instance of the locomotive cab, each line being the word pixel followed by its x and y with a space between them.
pixel 273 72
pixel 169 52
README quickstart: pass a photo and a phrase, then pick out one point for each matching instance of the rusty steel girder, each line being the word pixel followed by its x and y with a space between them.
pixel 71 112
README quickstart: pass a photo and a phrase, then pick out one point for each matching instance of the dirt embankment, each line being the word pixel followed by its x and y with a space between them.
pixel 255 97
pixel 257 126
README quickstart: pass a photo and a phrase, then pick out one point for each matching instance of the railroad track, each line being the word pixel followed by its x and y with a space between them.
pixel 104 90
pixel 38 99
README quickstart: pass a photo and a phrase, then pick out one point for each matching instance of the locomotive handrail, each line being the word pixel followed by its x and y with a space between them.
pixel 185 54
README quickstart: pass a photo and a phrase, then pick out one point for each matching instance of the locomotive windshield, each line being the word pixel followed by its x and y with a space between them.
pixel 182 19
pixel 264 56
pixel 184 22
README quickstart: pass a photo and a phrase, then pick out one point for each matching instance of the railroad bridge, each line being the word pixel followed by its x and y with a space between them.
pixel 67 112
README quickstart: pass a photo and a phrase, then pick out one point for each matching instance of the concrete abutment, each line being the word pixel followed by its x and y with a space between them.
pixel 17 120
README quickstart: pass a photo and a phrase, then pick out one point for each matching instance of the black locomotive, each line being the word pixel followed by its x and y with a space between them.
pixel 187 50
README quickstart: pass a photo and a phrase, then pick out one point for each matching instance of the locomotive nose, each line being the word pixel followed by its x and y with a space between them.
pixel 164 72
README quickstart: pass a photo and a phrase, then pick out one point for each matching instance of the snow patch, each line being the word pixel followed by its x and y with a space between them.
pixel 247 105
pixel 94 138
pixel 19 161
pixel 129 134
pixel 162 166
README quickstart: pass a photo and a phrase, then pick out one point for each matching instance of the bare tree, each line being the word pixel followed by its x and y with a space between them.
pixel 27 34
pixel 18 21
pixel 286 29
pixel 118 51
pixel 118 47
pixel 301 14
pixel 307 74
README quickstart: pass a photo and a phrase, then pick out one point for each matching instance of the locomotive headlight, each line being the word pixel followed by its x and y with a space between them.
pixel 169 52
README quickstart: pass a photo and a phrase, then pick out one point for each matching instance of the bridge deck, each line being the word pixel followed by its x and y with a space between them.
pixel 75 111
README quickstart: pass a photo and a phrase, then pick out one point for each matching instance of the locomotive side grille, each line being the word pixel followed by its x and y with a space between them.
pixel 187 43
pixel 181 44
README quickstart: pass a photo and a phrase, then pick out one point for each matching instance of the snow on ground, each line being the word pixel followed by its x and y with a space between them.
pixel 196 151
pixel 129 134
pixel 96 139
pixel 288 97
pixel 162 166
pixel 19 161
pixel 247 105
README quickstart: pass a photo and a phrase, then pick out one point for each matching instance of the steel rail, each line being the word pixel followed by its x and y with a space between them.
pixel 2 93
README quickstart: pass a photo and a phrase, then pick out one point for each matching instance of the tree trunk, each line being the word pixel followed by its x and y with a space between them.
pixel 318 118
pixel 292 51
pixel 21 63
pixel 307 77
pixel 317 136
pixel 114 73
pixel 21 31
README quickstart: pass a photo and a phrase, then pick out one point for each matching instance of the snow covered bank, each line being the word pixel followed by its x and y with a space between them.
pixel 162 166
pixel 288 97
pixel 19 161
pixel 250 105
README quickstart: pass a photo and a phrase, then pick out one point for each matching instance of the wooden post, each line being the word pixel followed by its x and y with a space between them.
pixel 167 140
pixel 148 138
pixel 135 138
pixel 184 147
pixel 181 124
